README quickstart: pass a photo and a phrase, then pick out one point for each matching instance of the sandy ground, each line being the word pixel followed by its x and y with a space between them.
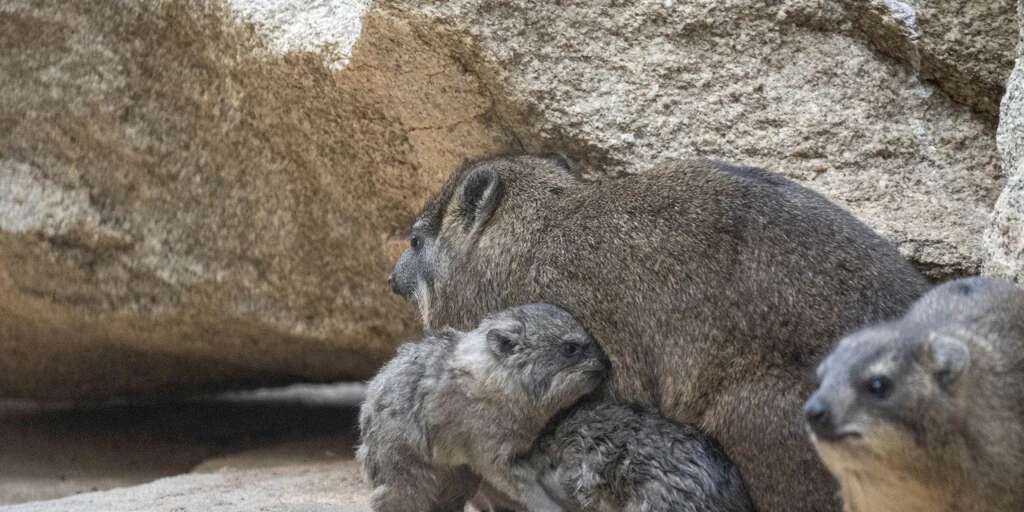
pixel 283 449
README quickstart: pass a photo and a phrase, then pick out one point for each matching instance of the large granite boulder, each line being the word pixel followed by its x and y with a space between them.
pixel 199 195
pixel 185 206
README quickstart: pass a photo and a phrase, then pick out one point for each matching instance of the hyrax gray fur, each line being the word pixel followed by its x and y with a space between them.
pixel 456 405
pixel 714 290
pixel 926 414
pixel 605 457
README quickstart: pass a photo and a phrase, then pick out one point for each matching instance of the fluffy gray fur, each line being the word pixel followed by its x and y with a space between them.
pixel 926 413
pixel 457 405
pixel 603 457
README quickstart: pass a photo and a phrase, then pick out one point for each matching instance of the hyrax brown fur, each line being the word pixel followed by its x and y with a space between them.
pixel 458 406
pixel 926 414
pixel 713 289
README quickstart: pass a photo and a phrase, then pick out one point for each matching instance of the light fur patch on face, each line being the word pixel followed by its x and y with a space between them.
pixel 880 444
pixel 481 372
pixel 876 473
pixel 473 356
pixel 423 301
pixel 885 365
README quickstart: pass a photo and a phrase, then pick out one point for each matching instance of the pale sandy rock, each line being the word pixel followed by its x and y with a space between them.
pixel 308 487
pixel 329 26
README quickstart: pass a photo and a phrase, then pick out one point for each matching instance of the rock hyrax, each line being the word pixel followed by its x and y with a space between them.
pixel 605 457
pixel 713 289
pixel 461 404
pixel 926 414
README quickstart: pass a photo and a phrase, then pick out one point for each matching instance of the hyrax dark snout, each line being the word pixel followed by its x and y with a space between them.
pixel 819 417
pixel 403 277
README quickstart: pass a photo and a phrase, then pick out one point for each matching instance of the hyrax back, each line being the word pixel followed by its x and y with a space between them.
pixel 713 289
pixel 606 457
pixel 927 413
pixel 462 404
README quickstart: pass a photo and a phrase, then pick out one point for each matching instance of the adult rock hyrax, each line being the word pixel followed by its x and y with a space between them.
pixel 926 414
pixel 713 289
pixel 461 405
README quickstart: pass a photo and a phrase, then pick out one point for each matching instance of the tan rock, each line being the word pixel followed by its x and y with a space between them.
pixel 185 209
pixel 201 195
pixel 306 487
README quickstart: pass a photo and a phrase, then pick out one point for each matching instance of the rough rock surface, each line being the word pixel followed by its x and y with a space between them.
pixel 199 195
pixel 1005 238
pixel 181 207
pixel 963 46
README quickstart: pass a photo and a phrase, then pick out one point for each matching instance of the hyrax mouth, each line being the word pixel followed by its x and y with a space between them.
pixel 597 369
pixel 836 437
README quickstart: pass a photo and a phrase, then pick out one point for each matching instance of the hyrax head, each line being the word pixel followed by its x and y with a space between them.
pixel 475 198
pixel 886 393
pixel 535 357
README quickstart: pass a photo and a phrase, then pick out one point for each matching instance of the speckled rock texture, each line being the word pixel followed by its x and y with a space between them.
pixel 964 47
pixel 1005 238
pixel 202 195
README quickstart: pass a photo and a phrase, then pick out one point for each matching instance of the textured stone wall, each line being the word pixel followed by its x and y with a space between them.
pixel 198 195
pixel 1005 237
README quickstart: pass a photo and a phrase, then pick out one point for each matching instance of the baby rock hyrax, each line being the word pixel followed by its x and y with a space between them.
pixel 461 404
pixel 926 414
pixel 606 457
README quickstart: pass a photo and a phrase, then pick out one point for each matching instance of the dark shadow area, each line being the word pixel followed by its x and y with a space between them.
pixel 49 451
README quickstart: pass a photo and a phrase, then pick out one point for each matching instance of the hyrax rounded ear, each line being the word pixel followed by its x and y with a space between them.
pixel 502 341
pixel 479 195
pixel 564 161
pixel 947 357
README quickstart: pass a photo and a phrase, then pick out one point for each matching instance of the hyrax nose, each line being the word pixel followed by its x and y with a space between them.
pixel 818 416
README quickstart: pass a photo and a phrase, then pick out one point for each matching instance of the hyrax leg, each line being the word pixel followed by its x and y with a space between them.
pixel 522 481
pixel 424 488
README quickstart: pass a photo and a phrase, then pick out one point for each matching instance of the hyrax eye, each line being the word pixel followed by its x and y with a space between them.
pixel 571 349
pixel 879 386
pixel 507 345
pixel 415 242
